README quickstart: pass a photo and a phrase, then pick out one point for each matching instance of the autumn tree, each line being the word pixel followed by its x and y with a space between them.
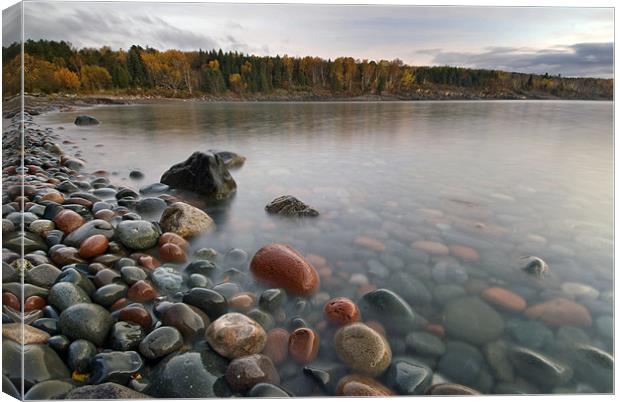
pixel 95 78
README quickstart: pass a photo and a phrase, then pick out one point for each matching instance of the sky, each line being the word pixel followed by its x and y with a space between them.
pixel 554 40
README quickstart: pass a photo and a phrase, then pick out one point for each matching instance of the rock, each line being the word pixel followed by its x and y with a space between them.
pixel 126 336
pixel 594 366
pixel 534 266
pixel 264 390
pixel 605 326
pixel 141 291
pixel 531 334
pixel 80 354
pixel 9 388
pixel 423 343
pixel 172 253
pixel 65 255
pixel 451 389
pixel 496 354
pixel 167 280
pixel 185 220
pixel 92 228
pixel 390 310
pixel 115 367
pixel 187 321
pixel 132 274
pixel 272 299
pixel 135 313
pixel 65 294
pixel 243 302
pixel 85 120
pixel 208 300
pixel 409 377
pixel 234 335
pixel 245 372
pixel 40 363
pixel 51 389
pixel 362 349
pixel 67 220
pixel 287 205
pixel 150 206
pixel 464 253
pixel 431 247
pixel 202 173
pixel 369 243
pixel 86 321
pixel 560 312
pixel 137 235
pixel 540 369
pixel 472 320
pixel 107 295
pixel 462 363
pixel 43 275
pixel 231 160
pixel 280 265
pixel 580 290
pixel 303 345
pixel 184 376
pixel 108 390
pixel 93 246
pixel 359 385
pixel 341 311
pixel 276 346
pixel 504 298
pixel 161 342
pixel 26 333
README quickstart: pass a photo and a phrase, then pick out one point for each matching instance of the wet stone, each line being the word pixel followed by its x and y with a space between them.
pixel 65 294
pixel 51 389
pixel 203 267
pixel 461 363
pixel 183 376
pixel 361 386
pixel 408 377
pixel 186 320
pixel 49 325
pixel 80 354
pixel 26 333
pixel 40 363
pixel 234 335
pixel 472 320
pixel 265 390
pixel 531 334
pixel 594 366
pixel 132 274
pixel 209 301
pixel 389 309
pixel 109 294
pixel 265 319
pixel 540 369
pixel 86 321
pixel 114 367
pixel 425 344
pixel 167 280
pixel 199 281
pixel 43 275
pixel 272 299
pixel 496 354
pixel 59 343
pixel 161 342
pixel 245 372
pixel 341 311
pixel 362 349
pixel 126 336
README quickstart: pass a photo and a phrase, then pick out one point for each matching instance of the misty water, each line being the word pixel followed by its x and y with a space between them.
pixel 506 179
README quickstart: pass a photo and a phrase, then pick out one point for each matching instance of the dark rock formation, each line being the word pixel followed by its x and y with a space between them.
pixel 85 120
pixel 288 205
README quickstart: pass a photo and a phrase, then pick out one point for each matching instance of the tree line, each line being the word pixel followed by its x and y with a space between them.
pixel 56 66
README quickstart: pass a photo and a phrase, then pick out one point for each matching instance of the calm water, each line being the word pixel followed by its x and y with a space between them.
pixel 506 178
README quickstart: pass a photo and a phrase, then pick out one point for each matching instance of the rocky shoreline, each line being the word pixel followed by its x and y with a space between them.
pixel 118 304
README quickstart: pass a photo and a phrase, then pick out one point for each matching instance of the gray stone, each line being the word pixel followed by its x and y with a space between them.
pixel 426 344
pixel 106 390
pixel 65 294
pixel 472 320
pixel 138 235
pixel 86 321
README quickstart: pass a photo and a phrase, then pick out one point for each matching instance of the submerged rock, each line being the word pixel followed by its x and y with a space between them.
pixel 202 173
pixel 362 349
pixel 472 320
pixel 85 120
pixel 287 205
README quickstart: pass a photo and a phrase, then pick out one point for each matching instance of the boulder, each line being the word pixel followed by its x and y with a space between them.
pixel 202 173
pixel 85 120
pixel 231 159
pixel 287 205
pixel 185 220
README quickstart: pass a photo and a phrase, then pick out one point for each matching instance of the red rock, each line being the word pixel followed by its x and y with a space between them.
pixel 141 291
pixel 242 302
pixel 279 265
pixel 34 303
pixel 54 196
pixel 148 262
pixel 245 372
pixel 136 314
pixel 560 312
pixel 171 252
pixel 120 303
pixel 105 214
pixel 464 253
pixel 370 243
pixel 341 311
pixel 10 300
pixel 431 247
pixel 173 238
pixel 303 345
pixel 67 220
pixel 359 385
pixel 276 347
pixel 436 329
pixel 504 298
pixel 94 246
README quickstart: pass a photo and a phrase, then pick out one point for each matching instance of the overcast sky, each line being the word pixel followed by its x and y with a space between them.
pixel 568 41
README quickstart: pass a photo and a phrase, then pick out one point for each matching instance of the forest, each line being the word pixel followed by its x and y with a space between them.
pixel 57 67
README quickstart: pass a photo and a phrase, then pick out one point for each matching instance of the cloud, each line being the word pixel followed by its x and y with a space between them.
pixel 579 59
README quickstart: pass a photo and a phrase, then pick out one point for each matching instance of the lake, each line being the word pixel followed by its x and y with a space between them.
pixel 433 200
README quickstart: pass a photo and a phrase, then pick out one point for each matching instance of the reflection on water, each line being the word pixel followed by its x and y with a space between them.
pixel 506 179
